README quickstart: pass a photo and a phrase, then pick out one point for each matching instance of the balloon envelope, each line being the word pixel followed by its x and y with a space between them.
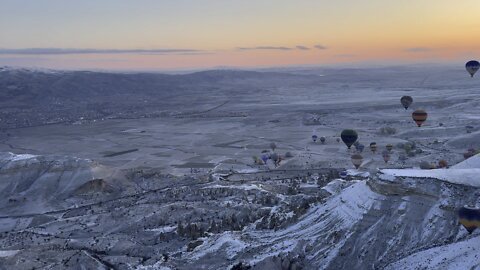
pixel 357 160
pixel 406 101
pixel 349 137
pixel 472 67
pixel 359 147
pixel 386 156
pixel 419 116
pixel 373 147
pixel 469 218
pixel 389 147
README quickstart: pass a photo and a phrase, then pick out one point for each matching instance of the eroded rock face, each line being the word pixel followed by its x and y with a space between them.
pixel 200 223
pixel 36 184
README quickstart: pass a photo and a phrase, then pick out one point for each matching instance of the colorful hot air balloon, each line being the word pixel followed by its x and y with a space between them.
pixel 357 160
pixel 389 147
pixel 349 137
pixel 469 217
pixel 373 147
pixel 386 156
pixel 265 158
pixel 419 116
pixel 322 139
pixel 314 138
pixel 406 101
pixel 343 174
pixel 442 163
pixel 472 67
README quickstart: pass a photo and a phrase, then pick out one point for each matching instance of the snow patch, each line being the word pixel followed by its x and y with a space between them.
pixel 467 177
pixel 460 255
pixel 8 253
pixel 164 229
pixel 228 242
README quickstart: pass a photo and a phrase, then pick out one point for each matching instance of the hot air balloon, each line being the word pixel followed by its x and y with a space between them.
pixel 357 160
pixel 472 67
pixel 406 101
pixel 349 137
pixel 386 156
pixel 359 147
pixel 442 163
pixel 343 174
pixel 273 146
pixel 373 147
pixel 322 139
pixel 469 217
pixel 265 158
pixel 469 128
pixel 314 138
pixel 419 116
pixel 275 158
pixel 470 153
pixel 389 147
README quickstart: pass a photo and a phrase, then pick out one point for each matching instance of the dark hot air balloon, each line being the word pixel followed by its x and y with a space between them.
pixel 469 217
pixel 469 128
pixel 322 139
pixel 373 147
pixel 273 146
pixel 314 138
pixel 472 67
pixel 349 137
pixel 419 116
pixel 406 101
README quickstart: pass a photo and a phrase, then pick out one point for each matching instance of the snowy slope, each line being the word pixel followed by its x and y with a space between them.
pixel 460 255
pixel 457 176
pixel 33 184
pixel 471 163
pixel 315 229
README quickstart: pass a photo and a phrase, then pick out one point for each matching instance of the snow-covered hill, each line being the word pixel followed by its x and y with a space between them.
pixel 32 184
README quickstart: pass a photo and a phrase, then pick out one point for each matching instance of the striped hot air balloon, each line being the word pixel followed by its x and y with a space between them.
pixel 349 137
pixel 389 147
pixel 406 101
pixel 357 160
pixel 419 116
pixel 469 217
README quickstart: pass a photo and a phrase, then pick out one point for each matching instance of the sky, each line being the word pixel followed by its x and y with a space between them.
pixel 186 34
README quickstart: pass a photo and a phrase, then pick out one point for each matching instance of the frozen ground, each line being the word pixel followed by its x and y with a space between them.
pixel 177 188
